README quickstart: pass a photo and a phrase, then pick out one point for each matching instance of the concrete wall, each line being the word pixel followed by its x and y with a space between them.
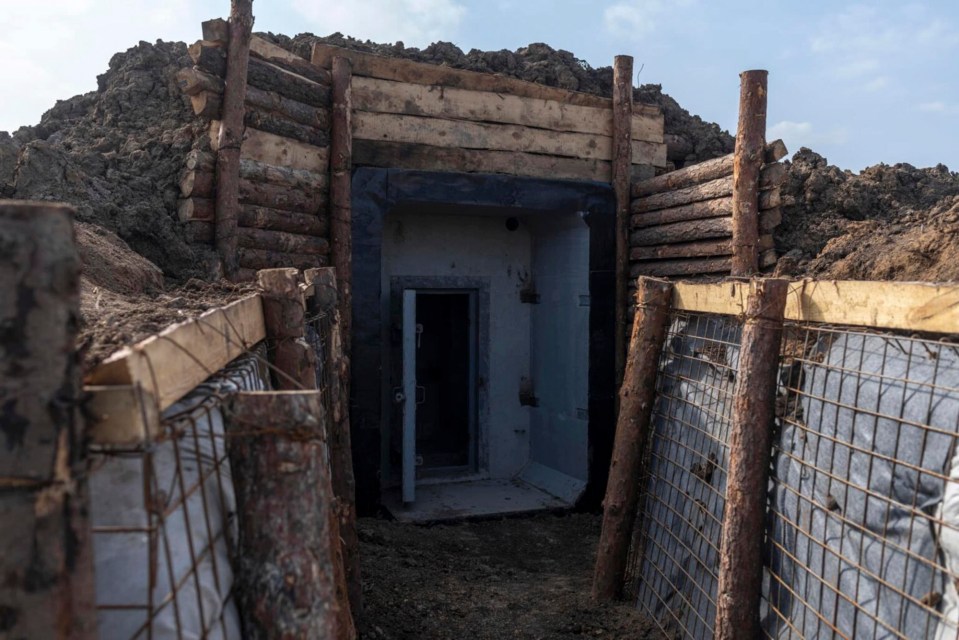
pixel 477 246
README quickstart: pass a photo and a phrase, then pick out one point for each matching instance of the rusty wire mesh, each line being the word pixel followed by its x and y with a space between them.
pixel 673 566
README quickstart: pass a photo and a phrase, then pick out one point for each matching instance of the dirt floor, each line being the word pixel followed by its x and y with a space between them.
pixel 525 577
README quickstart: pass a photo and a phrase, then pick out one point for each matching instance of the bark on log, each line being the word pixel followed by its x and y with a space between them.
pixel 264 194
pixel 750 144
pixel 685 267
pixel 196 183
pixel 278 124
pixel 754 400
pixel 255 217
pixel 196 209
pixel 282 241
pixel 283 176
pixel 682 232
pixel 198 160
pixel 635 406
pixel 284 315
pixel 263 75
pixel 231 134
pixel 770 199
pixel 775 151
pixel 714 208
pixel 47 589
pixel 341 456
pixel 265 259
pixel 772 175
pixel 284 581
pixel 622 161
pixel 341 167
pixel 702 249
pixel 718 188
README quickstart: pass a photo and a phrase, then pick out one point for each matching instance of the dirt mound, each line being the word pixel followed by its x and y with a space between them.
pixel 115 154
pixel 885 223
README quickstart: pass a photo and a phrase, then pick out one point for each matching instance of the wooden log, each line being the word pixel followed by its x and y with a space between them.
pixel 47 589
pixel 636 397
pixel 230 134
pixel 621 161
pixel 754 401
pixel 718 188
pixel 268 148
pixel 702 249
pixel 208 105
pixel 284 316
pixel 196 209
pixel 216 31
pixel 263 75
pixel 326 301
pixel 770 199
pixel 387 96
pixel 772 175
pixel 717 207
pixel 193 81
pixel 198 160
pixel 775 151
pixel 282 241
pixel 278 220
pixel 282 176
pixel 198 183
pixel 681 267
pixel 769 219
pixel 688 231
pixel 750 144
pixel 429 158
pixel 199 231
pixel 341 168
pixel 264 259
pixel 284 578
pixel 274 196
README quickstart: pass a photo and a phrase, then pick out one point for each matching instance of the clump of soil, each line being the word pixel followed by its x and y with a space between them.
pixel 526 578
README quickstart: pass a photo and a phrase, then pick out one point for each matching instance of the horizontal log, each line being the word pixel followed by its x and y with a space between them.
pixel 388 96
pixel 201 182
pixel 681 267
pixel 769 199
pixel 374 66
pixel 199 231
pixel 278 124
pixel 269 148
pixel 497 137
pixel 428 158
pixel 281 241
pixel 193 81
pixel 200 186
pixel 278 220
pixel 702 249
pixel 769 219
pixel 218 31
pixel 717 207
pixel 263 75
pixel 775 151
pixel 263 259
pixel 772 175
pixel 200 160
pixel 196 209
pixel 682 232
pixel 718 188
pixel 197 183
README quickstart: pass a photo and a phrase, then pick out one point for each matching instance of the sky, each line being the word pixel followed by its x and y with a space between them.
pixel 860 83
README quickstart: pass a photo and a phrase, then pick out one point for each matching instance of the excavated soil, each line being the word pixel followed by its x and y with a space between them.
pixel 525 578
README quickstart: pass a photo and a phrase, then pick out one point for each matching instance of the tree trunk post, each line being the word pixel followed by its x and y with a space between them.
pixel 341 450
pixel 285 567
pixel 636 396
pixel 747 162
pixel 231 135
pixel 284 314
pixel 46 563
pixel 622 162
pixel 341 168
pixel 754 401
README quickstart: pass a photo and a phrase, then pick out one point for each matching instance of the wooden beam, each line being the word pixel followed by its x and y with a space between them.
pixel 748 159
pixel 621 161
pixel 268 148
pixel 403 98
pixel 250 258
pixel 124 415
pixel 715 208
pixel 700 249
pixel 172 363
pixel 341 180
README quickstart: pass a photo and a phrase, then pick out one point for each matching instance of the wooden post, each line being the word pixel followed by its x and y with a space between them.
pixel 341 168
pixel 284 580
pixel 622 162
pixel 284 314
pixel 231 135
pixel 341 450
pixel 653 300
pixel 748 160
pixel 46 562
pixel 754 400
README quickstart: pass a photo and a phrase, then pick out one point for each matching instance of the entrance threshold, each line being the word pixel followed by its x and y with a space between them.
pixel 476 498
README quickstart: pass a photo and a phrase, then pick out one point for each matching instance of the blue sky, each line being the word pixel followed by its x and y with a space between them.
pixel 860 83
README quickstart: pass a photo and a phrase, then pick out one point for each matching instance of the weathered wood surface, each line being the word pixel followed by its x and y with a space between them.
pixel 284 579
pixel 341 216
pixel 196 209
pixel 621 162
pixel 209 57
pixel 698 229
pixel 47 589
pixel 748 160
pixel 718 188
pixel 750 435
pixel 282 241
pixel 123 415
pixel 769 199
pixel 699 249
pixel 715 208
pixel 284 318
pixel 198 160
pixel 266 259
pixel 693 266
pixel 461 134
pixel 173 362
pixel 278 220
pixel 404 98
pixel 268 148
pixel 429 158
pixel 636 397
pixel 277 124
pixel 261 194
pixel 200 183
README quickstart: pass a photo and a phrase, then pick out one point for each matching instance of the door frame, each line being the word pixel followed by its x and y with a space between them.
pixel 478 289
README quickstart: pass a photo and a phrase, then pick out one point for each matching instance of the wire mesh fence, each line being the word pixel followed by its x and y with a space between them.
pixel 862 535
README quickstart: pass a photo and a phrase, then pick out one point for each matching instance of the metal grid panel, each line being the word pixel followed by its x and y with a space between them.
pixel 674 558
pixel 863 537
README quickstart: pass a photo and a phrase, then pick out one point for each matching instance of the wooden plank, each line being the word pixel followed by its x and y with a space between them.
pixel 908 306
pixel 473 135
pixel 269 148
pixel 121 415
pixel 172 363
pixel 429 158
pixel 404 98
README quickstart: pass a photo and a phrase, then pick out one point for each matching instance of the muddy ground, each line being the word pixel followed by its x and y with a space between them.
pixel 524 578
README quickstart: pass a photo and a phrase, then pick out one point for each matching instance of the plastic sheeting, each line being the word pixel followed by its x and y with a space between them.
pixel 130 490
